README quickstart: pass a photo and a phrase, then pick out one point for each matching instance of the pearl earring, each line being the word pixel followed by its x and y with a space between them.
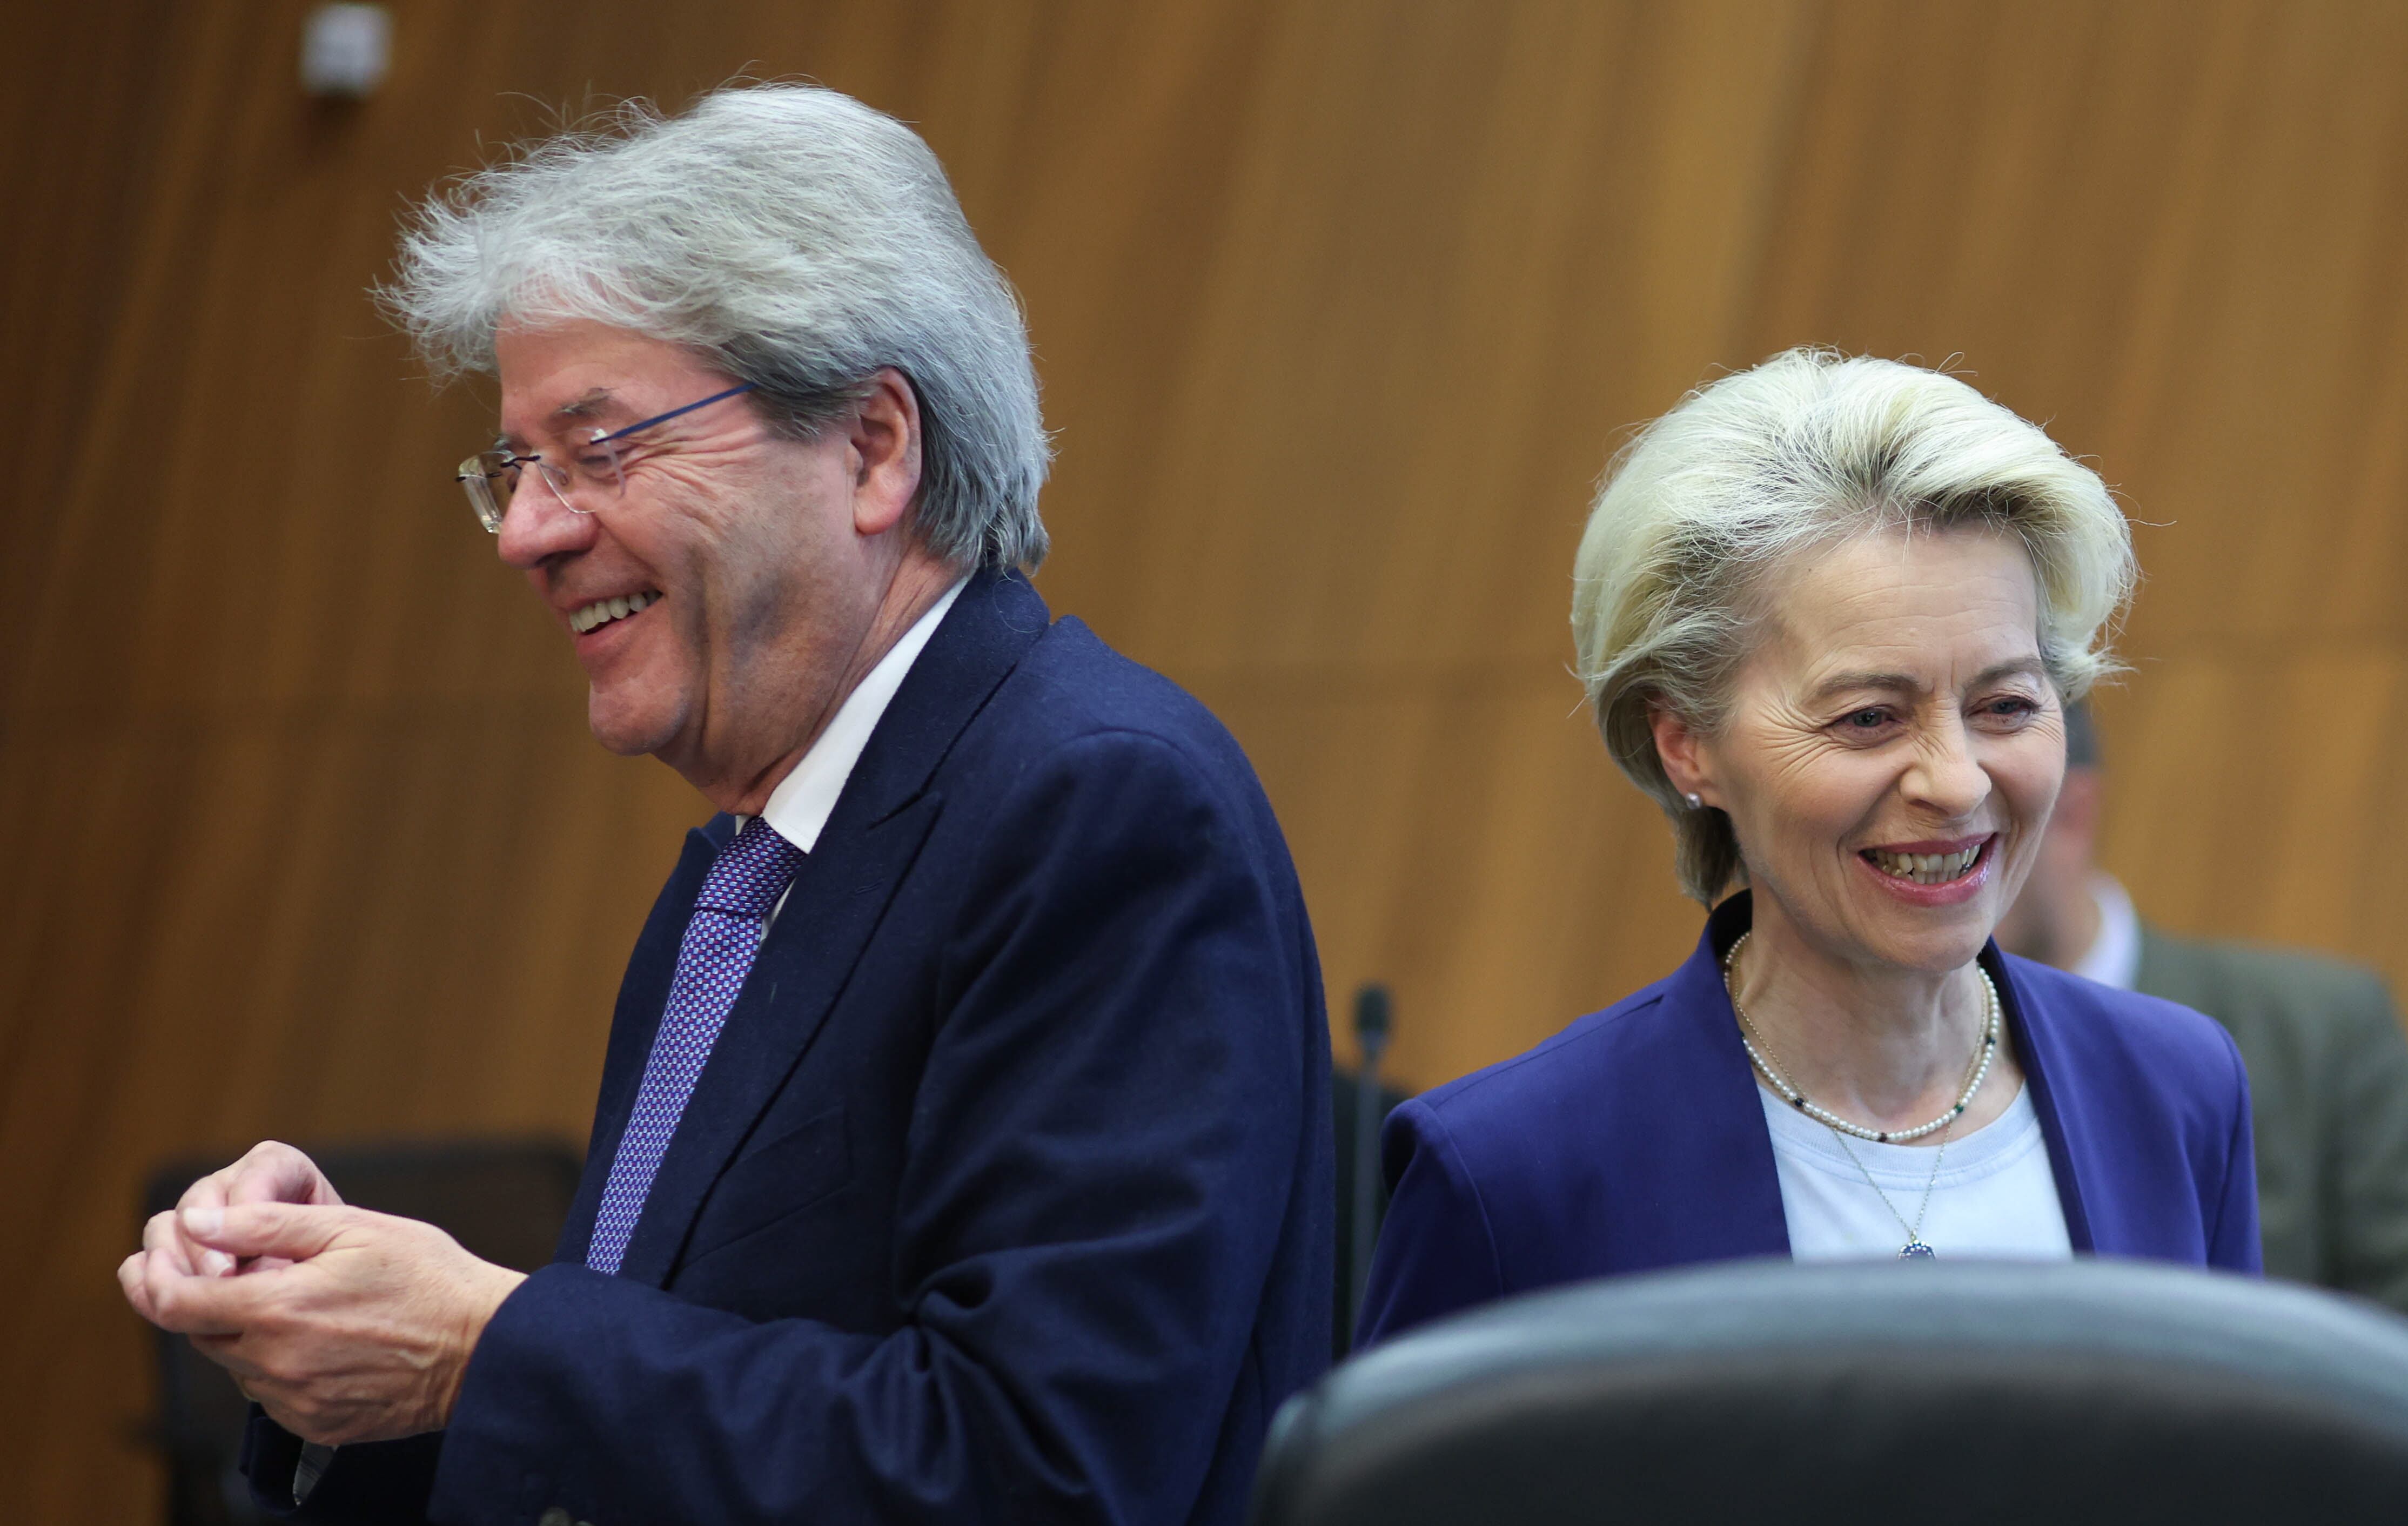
pixel 1695 803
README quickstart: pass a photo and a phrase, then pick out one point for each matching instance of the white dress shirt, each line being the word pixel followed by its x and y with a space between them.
pixel 798 808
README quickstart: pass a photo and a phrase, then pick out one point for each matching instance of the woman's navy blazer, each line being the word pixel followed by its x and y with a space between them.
pixel 1634 1140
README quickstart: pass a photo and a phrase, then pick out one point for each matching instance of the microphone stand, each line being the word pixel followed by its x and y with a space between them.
pixel 1372 1034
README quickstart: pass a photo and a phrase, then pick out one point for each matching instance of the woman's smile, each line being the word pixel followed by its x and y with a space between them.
pixel 1933 873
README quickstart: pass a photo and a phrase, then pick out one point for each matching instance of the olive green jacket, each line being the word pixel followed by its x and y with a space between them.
pixel 2329 1087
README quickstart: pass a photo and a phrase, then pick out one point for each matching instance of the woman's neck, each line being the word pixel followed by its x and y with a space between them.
pixel 1880 1046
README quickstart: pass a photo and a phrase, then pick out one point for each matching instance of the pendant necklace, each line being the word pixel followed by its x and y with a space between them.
pixel 1759 1051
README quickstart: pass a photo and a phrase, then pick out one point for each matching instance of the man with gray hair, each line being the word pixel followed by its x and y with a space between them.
pixel 963 1148
pixel 2327 1063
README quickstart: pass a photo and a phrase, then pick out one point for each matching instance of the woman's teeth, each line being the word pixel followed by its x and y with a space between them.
pixel 602 612
pixel 1925 868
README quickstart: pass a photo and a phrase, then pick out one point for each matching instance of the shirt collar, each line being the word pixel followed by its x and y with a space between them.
pixel 2113 958
pixel 798 808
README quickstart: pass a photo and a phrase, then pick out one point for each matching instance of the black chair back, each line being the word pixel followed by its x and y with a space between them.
pixel 1959 1391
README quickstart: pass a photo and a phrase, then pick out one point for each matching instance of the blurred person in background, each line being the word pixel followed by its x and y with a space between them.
pixel 963 1150
pixel 2328 1061
pixel 1828 612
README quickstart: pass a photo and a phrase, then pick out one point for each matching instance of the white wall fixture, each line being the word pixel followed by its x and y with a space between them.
pixel 345 51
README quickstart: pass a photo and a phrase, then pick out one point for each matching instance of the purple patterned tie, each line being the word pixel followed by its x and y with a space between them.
pixel 719 943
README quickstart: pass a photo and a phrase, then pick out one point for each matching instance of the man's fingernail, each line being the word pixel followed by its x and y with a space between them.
pixel 203 1222
pixel 217 1263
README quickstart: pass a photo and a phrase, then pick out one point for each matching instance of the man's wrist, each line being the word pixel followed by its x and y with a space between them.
pixel 490 1286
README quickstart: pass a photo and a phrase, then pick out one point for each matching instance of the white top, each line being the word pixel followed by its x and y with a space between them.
pixel 2113 957
pixel 1996 1196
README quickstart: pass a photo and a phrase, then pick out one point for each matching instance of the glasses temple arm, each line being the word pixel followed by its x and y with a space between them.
pixel 665 418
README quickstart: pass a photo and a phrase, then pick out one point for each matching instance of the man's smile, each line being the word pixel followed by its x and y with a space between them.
pixel 601 612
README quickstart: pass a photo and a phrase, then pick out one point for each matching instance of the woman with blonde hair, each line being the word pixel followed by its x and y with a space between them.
pixel 1830 612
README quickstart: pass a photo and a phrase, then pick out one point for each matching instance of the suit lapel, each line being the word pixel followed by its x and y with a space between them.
pixel 2055 1080
pixel 841 892
pixel 2169 970
pixel 1730 1206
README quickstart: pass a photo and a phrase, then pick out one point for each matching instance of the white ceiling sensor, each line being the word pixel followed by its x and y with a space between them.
pixel 346 49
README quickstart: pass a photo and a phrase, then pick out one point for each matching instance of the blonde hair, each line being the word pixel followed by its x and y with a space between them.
pixel 1810 448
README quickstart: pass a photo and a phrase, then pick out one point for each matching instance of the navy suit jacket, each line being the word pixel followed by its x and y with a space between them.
pixel 1004 1194
pixel 1634 1140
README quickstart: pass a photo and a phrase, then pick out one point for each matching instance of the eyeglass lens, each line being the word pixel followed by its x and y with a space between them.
pixel 492 478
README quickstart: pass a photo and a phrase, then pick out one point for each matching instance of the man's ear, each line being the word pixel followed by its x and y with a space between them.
pixel 1681 750
pixel 883 448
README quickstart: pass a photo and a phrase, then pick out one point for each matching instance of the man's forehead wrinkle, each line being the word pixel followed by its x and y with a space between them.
pixel 592 401
pixel 586 404
pixel 2028 663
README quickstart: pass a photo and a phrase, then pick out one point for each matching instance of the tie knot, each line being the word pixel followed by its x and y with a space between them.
pixel 751 874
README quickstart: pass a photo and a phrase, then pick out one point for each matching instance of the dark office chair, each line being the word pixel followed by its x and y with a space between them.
pixel 504 1201
pixel 1767 1391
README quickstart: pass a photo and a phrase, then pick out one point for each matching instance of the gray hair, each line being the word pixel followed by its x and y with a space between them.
pixel 791 235
pixel 1810 448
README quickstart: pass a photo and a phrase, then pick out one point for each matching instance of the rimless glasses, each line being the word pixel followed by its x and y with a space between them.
pixel 592 476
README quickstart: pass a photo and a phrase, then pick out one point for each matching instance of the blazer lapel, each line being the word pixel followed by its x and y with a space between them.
pixel 2055 1080
pixel 1730 1204
pixel 839 895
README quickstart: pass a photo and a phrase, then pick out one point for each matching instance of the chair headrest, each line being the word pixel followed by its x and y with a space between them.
pixel 1959 1386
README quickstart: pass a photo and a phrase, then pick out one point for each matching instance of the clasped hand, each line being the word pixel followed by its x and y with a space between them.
pixel 345 1325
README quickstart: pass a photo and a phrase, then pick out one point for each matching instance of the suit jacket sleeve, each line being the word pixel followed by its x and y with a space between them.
pixel 1437 1253
pixel 1117 1065
pixel 2367 1165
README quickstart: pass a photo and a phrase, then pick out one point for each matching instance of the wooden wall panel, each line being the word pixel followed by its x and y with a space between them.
pixel 1341 307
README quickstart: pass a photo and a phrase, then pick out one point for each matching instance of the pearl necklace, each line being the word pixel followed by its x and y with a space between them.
pixel 1978 1069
